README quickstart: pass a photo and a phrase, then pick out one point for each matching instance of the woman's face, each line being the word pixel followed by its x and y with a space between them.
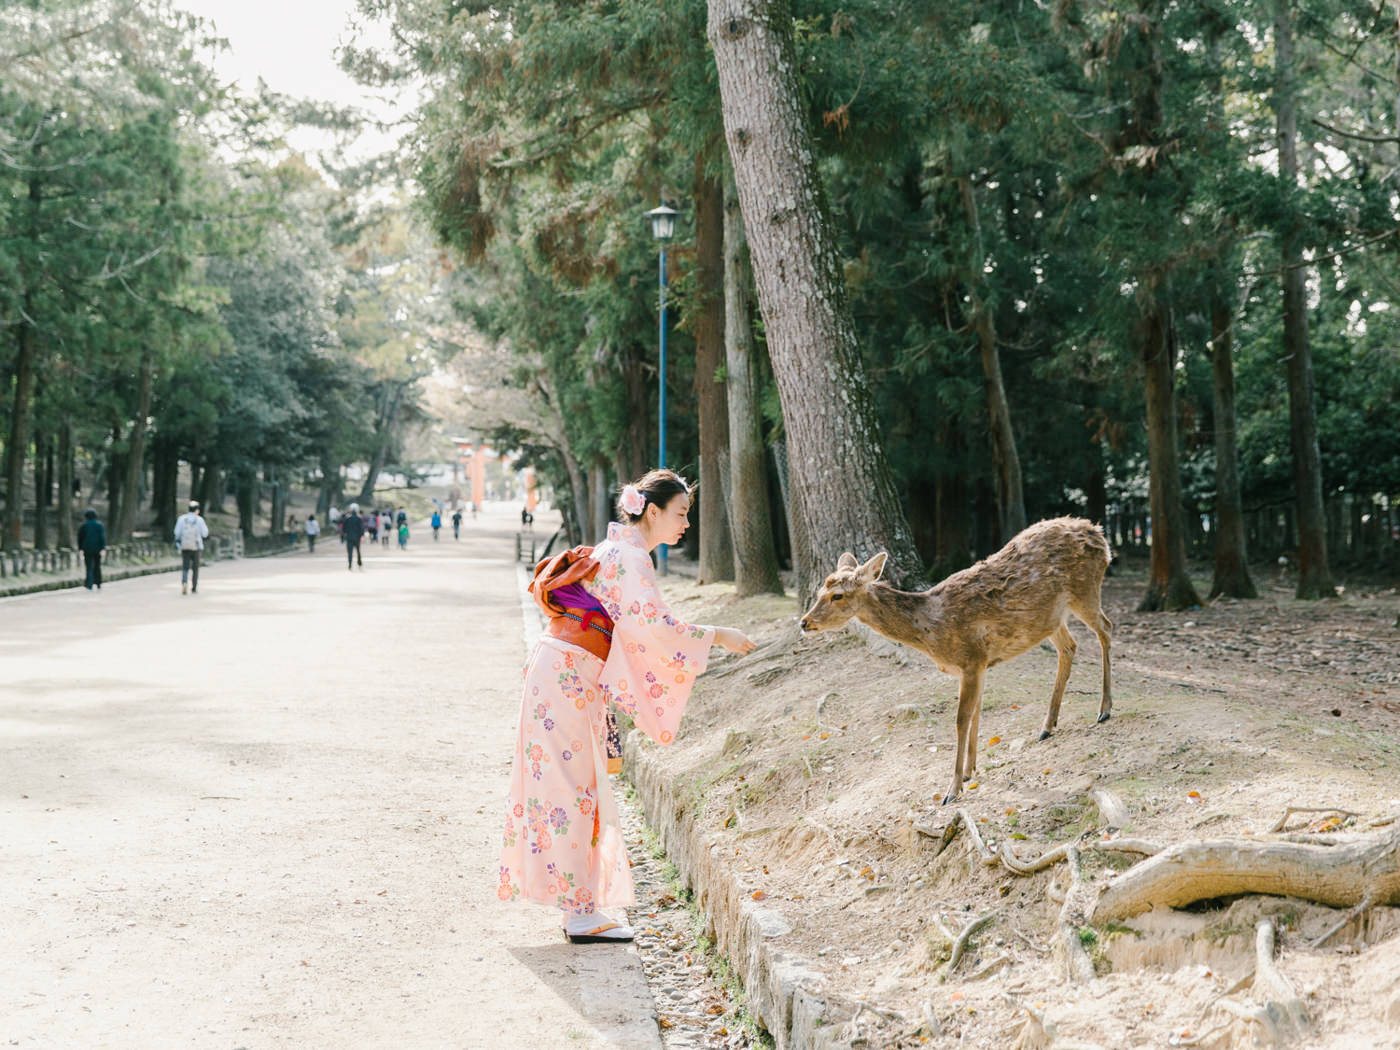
pixel 668 524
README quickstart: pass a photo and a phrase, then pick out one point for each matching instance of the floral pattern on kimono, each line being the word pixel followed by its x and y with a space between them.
pixel 655 657
pixel 562 841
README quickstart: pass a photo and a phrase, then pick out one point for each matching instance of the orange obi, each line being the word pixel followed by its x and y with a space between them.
pixel 588 629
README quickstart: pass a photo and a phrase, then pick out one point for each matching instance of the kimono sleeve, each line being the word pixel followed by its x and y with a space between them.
pixel 655 657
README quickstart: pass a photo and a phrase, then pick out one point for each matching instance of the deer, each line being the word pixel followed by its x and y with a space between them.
pixel 985 615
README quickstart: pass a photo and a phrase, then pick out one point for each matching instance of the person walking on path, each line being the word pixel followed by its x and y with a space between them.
pixel 436 522
pixel 92 541
pixel 457 524
pixel 611 638
pixel 386 526
pixel 403 534
pixel 292 529
pixel 190 533
pixel 353 530
pixel 313 529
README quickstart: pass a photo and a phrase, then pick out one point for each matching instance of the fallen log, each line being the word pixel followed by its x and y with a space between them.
pixel 1342 875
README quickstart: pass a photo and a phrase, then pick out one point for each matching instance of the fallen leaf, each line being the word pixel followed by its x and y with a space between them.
pixel 974 785
pixel 825 735
pixel 994 740
pixel 1193 794
pixel 759 895
pixel 664 1023
pixel 867 873
pixel 955 997
pixel 1046 771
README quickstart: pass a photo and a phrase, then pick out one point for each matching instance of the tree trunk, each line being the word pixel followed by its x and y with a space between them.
pixel 599 503
pixel 247 500
pixel 12 528
pixel 1169 586
pixel 716 546
pixel 135 460
pixel 114 478
pixel 755 560
pixel 381 445
pixel 1231 564
pixel 15 449
pixel 844 497
pixel 277 513
pixel 1314 575
pixel 1011 503
pixel 211 497
pixel 65 484
pixel 41 492
pixel 167 482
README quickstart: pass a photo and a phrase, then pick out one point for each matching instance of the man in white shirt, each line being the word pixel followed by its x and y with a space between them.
pixel 190 533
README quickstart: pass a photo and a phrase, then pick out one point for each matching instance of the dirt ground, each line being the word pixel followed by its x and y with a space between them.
pixel 816 759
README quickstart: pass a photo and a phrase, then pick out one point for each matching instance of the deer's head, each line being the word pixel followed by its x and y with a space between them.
pixel 842 595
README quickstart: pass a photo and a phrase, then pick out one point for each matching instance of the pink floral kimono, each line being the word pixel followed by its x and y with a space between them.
pixel 563 841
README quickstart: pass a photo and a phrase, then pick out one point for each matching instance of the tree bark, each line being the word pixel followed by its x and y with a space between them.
pixel 134 463
pixel 41 491
pixel 65 484
pixel 1169 586
pixel 15 448
pixel 212 495
pixel 755 560
pixel 1314 574
pixel 381 444
pixel 1011 503
pixel 716 546
pixel 247 500
pixel 1232 577
pixel 843 494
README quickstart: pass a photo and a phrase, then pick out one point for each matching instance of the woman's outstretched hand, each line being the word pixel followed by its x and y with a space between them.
pixel 734 641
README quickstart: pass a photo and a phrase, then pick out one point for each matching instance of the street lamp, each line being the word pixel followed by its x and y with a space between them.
pixel 663 228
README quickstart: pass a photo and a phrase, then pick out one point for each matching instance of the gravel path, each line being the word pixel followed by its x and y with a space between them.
pixel 266 815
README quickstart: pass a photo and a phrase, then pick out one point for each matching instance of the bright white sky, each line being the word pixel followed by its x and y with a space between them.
pixel 290 45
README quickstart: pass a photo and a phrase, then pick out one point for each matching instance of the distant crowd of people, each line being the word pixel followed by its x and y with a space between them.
pixel 380 525
pixel 191 530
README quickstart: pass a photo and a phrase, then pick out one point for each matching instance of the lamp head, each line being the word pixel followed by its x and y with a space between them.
pixel 663 222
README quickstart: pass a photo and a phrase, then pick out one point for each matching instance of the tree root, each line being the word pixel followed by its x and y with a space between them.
pixel 1282 821
pixel 1366 904
pixel 1078 966
pixel 960 942
pixel 1342 874
pixel 1111 808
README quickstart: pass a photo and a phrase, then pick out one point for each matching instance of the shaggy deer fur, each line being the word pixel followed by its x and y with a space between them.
pixel 985 615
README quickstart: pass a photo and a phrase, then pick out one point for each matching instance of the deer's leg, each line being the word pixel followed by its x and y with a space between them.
pixel 1102 626
pixel 1065 645
pixel 969 699
pixel 970 765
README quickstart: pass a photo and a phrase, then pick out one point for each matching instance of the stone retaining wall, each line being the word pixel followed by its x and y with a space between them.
pixel 788 998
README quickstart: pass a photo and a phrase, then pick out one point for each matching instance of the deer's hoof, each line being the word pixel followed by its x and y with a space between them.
pixel 1104 717
pixel 1045 734
pixel 949 797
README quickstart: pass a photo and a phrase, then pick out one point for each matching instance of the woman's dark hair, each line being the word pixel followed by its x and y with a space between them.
pixel 656 486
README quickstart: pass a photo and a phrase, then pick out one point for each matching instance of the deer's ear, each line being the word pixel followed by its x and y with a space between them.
pixel 846 561
pixel 871 570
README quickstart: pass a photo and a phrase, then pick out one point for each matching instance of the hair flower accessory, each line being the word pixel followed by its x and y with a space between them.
pixel 632 501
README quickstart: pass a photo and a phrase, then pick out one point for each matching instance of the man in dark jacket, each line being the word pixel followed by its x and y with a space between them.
pixel 354 529
pixel 92 541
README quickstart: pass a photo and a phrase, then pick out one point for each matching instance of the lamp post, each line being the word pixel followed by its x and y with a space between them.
pixel 663 228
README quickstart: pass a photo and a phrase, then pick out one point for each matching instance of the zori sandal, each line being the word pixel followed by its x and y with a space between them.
pixel 576 932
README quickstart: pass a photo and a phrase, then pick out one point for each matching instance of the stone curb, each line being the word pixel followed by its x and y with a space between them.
pixel 784 993
pixel 112 576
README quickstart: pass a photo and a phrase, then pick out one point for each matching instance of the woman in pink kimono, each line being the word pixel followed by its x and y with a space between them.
pixel 612 639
